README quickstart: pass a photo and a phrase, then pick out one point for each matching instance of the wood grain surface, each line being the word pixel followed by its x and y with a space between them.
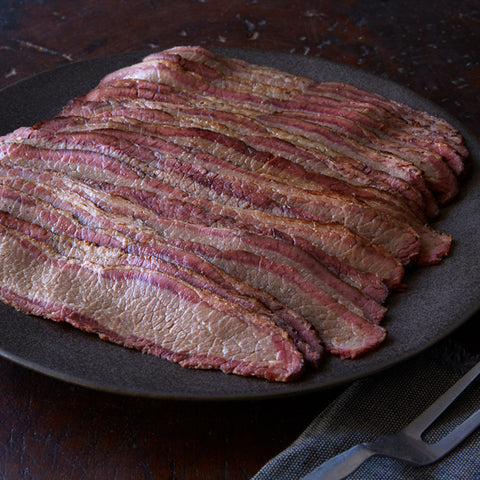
pixel 53 430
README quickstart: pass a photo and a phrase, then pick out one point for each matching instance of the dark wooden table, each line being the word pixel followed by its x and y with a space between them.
pixel 53 430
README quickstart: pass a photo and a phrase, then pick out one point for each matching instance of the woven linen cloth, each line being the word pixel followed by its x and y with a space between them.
pixel 382 404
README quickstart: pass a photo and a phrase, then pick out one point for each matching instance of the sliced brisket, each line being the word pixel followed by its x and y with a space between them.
pixel 139 308
pixel 223 215
pixel 213 179
pixel 323 240
pixel 252 258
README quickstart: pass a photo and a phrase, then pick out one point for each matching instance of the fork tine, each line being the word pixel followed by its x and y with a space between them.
pixel 454 438
pixel 431 413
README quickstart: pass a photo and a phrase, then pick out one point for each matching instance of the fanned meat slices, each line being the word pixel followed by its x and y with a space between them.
pixel 223 215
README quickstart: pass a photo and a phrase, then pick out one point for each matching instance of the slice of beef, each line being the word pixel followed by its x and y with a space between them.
pixel 433 245
pixel 37 206
pixel 212 179
pixel 154 313
pixel 227 135
pixel 148 91
pixel 322 240
pixel 353 102
pixel 318 302
pixel 176 71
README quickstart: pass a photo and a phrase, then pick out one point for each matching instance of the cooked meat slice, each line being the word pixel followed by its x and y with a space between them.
pixel 223 134
pixel 172 69
pixel 204 177
pixel 342 100
pixel 42 209
pixel 327 240
pixel 337 163
pixel 140 308
pixel 308 288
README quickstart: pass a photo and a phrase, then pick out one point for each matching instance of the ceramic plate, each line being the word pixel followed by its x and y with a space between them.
pixel 438 299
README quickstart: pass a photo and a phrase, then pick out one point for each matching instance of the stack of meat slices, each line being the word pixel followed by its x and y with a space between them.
pixel 223 215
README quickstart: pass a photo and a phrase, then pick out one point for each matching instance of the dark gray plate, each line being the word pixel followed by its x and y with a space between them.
pixel 438 300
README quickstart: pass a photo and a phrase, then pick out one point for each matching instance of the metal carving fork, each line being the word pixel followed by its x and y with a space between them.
pixel 407 444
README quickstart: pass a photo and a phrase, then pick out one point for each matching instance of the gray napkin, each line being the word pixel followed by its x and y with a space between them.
pixel 385 403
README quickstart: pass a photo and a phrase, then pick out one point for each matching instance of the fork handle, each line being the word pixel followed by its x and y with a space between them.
pixel 341 465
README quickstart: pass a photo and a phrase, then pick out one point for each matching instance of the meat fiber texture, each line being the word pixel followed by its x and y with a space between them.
pixel 223 215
